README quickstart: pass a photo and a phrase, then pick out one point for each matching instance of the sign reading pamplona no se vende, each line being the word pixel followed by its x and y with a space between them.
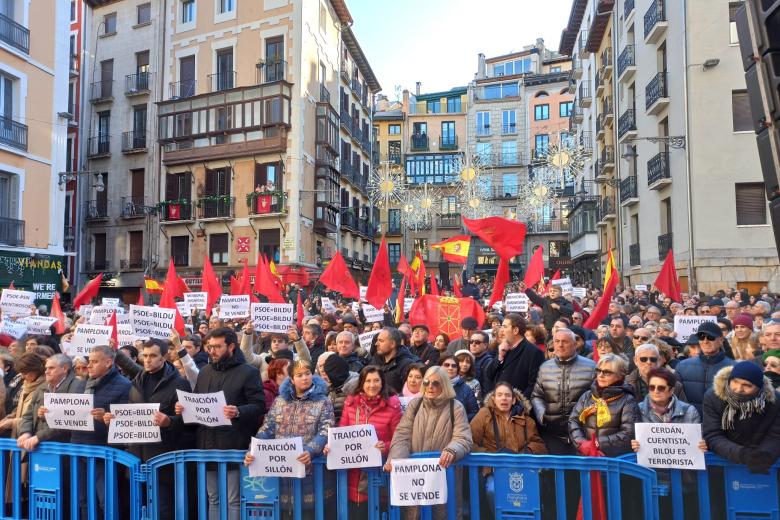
pixel 418 482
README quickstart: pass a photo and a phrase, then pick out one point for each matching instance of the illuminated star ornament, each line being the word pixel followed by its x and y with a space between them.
pixel 473 189
pixel 386 185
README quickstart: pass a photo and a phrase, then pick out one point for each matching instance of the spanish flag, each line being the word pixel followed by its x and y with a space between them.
pixel 455 249
pixel 152 286
pixel 610 268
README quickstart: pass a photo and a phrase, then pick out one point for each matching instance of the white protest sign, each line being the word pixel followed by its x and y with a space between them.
pixel 355 308
pixel 498 305
pixel 373 314
pixel 686 326
pixel 579 292
pixel 516 302
pixel 110 302
pixel 14 302
pixel 69 411
pixel 205 409
pixel 327 305
pixel 101 314
pixel 133 424
pixel 366 338
pixel 564 284
pixel 277 458
pixel 272 317
pixel 234 306
pixel 124 334
pixel 418 482
pixel 87 337
pixel 353 447
pixel 86 311
pixel 39 324
pixel 666 445
pixel 184 309
pixel 123 318
pixel 363 291
pixel 408 302
pixel 15 329
pixel 196 300
pixel 152 322
pixel 640 287
pixel 404 402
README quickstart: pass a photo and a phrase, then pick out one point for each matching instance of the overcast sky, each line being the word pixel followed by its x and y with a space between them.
pixel 437 41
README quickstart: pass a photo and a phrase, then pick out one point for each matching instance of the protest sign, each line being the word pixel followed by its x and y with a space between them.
pixel 355 308
pixel 327 305
pixel 152 322
pixel 579 292
pixel 640 287
pixel 366 338
pixel 234 306
pixel 418 482
pixel 685 326
pixel 272 317
pixel 87 337
pixel 516 302
pixel 408 302
pixel 123 318
pixel 184 309
pixel 101 314
pixel 666 445
pixel 69 411
pixel 373 314
pixel 498 305
pixel 124 334
pixel 277 458
pixel 14 302
pixel 15 329
pixel 110 302
pixel 133 424
pixel 564 283
pixel 353 447
pixel 205 409
pixel 404 402
pixel 196 300
pixel 86 311
pixel 39 324
pixel 363 290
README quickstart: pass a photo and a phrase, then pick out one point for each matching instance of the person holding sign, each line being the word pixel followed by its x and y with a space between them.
pixel 302 409
pixel 31 367
pixel 554 305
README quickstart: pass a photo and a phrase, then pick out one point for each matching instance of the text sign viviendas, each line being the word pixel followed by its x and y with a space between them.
pixel 353 447
pixel 69 411
pixel 205 409
pixel 272 317
pixel 418 482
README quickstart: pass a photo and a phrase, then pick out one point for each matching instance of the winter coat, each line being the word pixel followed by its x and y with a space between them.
pixel 201 359
pixel 550 315
pixel 682 412
pixel 241 385
pixel 761 430
pixel 355 362
pixel 38 426
pixel 480 366
pixel 395 369
pixel 385 416
pixel 558 387
pixel 774 378
pixel 697 374
pixel 634 380
pixel 428 355
pixel 427 426
pixel 519 368
pixel 112 388
pixel 614 438
pixel 338 395
pixel 517 434
pixel 270 391
pixel 25 403
pixel 465 395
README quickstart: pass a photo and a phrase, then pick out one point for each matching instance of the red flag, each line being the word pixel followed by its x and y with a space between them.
pixel 172 281
pixel 598 506
pixel 456 286
pixel 434 286
pixel 299 311
pixel 140 296
pixel 505 236
pixel 264 283
pixel 602 307
pixel 210 284
pixel 12 286
pixel 419 275
pixel 183 287
pixel 535 270
pixel 667 281
pixel 167 301
pixel 88 292
pixel 245 284
pixel 380 283
pixel 443 314
pixel 56 312
pixel 399 303
pixel 235 286
pixel 502 278
pixel 112 323
pixel 336 277
pixel 405 269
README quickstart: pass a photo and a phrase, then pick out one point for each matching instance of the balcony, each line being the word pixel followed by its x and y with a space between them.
pixel 394 228
pixel 584 95
pixel 182 89
pixel 601 128
pixel 598 84
pixel 450 220
pixel 656 94
pixel 91 266
pixel 664 245
pixel 133 142
pixel 509 159
pixel 13 134
pixel 74 66
pixel 510 129
pixel 137 84
pixel 133 207
pixel 14 34
pixel 216 207
pixel 262 204
pixel 70 239
pixel 586 142
pixel 356 89
pixel 607 111
pixel 576 114
pixel 547 226
pixel 607 209
pixel 606 64
pixel 483 131
pixel 132 264
pixel 576 68
pixel 658 172
pixel 272 72
pixel 607 160
pixel 627 125
pixel 346 121
pixel 655 22
pixel 173 211
pixel 349 220
pixel 599 172
pixel 626 65
pixel 96 210
pixel 99 146
pixel 222 81
pixel 324 94
pixel 628 9
pixel 101 91
pixel 11 232
pixel 345 69
pixel 448 143
pixel 582 45
pixel 508 191
pixel 419 143
pixel 628 191
pixel 633 255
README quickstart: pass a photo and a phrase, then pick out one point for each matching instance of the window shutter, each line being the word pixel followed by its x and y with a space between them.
pixel 740 107
pixel 750 204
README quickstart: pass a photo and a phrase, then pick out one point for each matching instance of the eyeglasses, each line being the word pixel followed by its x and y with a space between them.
pixel 703 336
pixel 476 342
pixel 602 372
pixel 641 338
pixel 432 382
pixel 449 365
pixel 658 388
pixel 648 359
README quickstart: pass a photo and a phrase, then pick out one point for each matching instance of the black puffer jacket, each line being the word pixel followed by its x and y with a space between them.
pixel 558 387
pixel 550 315
pixel 395 369
pixel 614 438
pixel 520 367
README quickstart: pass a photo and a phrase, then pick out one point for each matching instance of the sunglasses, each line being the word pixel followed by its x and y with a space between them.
pixel 433 383
pixel 702 336
pixel 648 359
pixel 450 365
pixel 641 338
pixel 658 388
pixel 475 342
pixel 602 372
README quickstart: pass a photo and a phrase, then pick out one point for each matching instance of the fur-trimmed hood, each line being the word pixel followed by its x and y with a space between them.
pixel 317 392
pixel 721 380
pixel 522 407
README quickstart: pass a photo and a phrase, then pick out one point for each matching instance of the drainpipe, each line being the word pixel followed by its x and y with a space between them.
pixel 692 285
pixel 616 146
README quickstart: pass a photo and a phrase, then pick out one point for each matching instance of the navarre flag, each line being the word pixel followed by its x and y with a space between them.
pixel 443 313
pixel 505 236
pixel 667 281
pixel 455 249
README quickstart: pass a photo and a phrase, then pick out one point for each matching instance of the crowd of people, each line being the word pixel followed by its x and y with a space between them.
pixel 532 383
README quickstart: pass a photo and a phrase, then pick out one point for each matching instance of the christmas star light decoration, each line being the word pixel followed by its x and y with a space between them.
pixel 386 185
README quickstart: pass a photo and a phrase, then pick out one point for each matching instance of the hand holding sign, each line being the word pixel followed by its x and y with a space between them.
pixel 276 458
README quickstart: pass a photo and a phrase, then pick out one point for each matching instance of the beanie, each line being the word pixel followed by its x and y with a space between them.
pixel 749 371
pixel 744 320
pixel 337 370
pixel 771 353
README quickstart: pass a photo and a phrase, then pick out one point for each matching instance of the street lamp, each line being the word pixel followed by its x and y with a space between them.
pixel 66 177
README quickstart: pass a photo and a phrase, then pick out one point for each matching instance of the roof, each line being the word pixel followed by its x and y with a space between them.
pixel 99 3
pixel 340 6
pixel 526 52
pixel 546 79
pixel 360 59
pixel 389 115
pixel 438 95
pixel 569 34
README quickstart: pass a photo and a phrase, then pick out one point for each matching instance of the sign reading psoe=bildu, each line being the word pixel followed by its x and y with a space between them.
pixel 133 424
pixel 205 409
pixel 152 322
pixel 272 317
pixel 69 411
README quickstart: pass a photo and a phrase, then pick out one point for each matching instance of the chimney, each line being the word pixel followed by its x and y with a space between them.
pixel 381 103
pixel 405 102
pixel 417 88
pixel 481 67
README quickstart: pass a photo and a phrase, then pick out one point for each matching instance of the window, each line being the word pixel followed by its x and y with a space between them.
pixel 9 196
pixel 72 98
pixel 509 152
pixel 449 205
pixel 483 123
pixel 394 151
pixel 268 177
pixel 501 90
pixel 109 23
pixel 541 142
pixel 224 78
pixel 432 169
pixel 99 251
pixel 73 11
pixel 144 13
pixel 323 19
pixel 751 204
pixel 136 249
pixel 564 109
pixel 555 70
pixel 180 250
pixel 733 36
pixel 740 110
pixel 226 6
pixel 454 105
pixel 394 130
pixel 187 11
pixel 484 151
pixel 218 248
pixel 513 67
pixel 433 106
pixel 394 221
pixel 394 252
pixel 541 112
pixel 448 137
pixel 509 121
pixel 509 184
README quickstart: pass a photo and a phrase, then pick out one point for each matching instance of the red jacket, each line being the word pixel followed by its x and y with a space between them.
pixel 385 417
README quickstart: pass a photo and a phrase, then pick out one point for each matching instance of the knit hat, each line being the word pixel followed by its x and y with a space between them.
pixel 744 320
pixel 771 353
pixel 749 371
pixel 469 322
pixel 337 370
pixel 464 351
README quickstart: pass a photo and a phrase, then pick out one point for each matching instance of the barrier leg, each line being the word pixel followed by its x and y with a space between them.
pixel 297 499
pixel 202 491
pixel 341 494
pixel 319 492
pixel 560 494
pixel 614 495
pixel 74 487
pixel 677 495
pixel 474 505
pixel 585 493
